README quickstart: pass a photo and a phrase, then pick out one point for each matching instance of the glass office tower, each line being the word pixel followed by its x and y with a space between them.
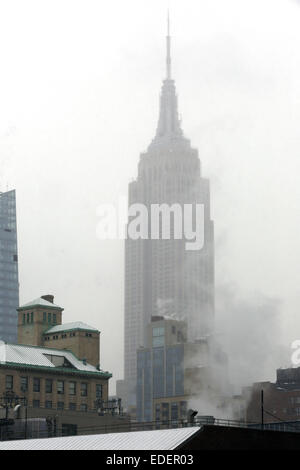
pixel 9 279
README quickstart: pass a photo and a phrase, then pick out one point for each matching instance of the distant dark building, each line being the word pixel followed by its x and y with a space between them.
pixel 9 279
pixel 281 399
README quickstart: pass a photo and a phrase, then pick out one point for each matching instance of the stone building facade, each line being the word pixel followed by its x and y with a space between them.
pixel 55 371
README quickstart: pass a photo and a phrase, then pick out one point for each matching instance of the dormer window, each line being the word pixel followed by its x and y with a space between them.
pixel 59 361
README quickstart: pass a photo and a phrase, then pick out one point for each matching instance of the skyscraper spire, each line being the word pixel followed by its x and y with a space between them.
pixel 168 49
pixel 169 125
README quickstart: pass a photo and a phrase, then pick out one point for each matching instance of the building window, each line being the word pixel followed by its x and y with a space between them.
pixel 31 317
pixel 158 331
pixel 36 384
pixel 183 409
pixel 83 407
pixel 72 406
pixel 27 317
pixel 174 411
pixel 72 388
pixel 157 412
pixel 158 339
pixel 98 390
pixel 36 403
pixel 9 382
pixel 60 405
pixel 49 318
pixel 44 317
pixel 60 387
pixel 54 318
pixel 48 404
pixel 68 429
pixel 24 384
pixel 83 389
pixel 49 385
pixel 165 412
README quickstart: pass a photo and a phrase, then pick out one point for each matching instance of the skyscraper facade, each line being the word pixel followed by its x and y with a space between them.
pixel 9 279
pixel 162 277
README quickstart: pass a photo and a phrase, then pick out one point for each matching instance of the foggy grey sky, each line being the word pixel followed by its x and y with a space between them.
pixel 79 89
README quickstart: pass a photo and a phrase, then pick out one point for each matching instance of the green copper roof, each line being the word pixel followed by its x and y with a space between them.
pixel 78 325
pixel 39 302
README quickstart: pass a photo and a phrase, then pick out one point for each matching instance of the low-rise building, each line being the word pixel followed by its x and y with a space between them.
pixel 54 371
pixel 281 399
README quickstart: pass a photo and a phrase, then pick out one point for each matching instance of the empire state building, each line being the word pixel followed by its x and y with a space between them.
pixel 161 276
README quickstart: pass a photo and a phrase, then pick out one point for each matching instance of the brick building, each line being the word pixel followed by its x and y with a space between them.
pixel 281 399
pixel 56 368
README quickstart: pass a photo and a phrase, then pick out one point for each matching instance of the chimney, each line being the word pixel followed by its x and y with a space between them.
pixel 49 298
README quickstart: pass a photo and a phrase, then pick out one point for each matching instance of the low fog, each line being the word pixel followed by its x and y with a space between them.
pixel 79 93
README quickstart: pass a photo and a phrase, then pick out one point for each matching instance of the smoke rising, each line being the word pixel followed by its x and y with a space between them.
pixel 249 329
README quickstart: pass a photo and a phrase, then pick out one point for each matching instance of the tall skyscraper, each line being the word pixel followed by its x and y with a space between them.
pixel 161 276
pixel 9 279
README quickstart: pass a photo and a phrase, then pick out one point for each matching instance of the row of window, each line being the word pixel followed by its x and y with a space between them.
pixel 60 386
pixel 166 411
pixel 28 318
pixel 64 335
pixel 60 405
pixel 295 400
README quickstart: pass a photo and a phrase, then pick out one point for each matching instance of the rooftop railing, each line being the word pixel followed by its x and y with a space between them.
pixel 39 430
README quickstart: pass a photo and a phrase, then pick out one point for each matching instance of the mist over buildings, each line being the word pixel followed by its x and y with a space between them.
pixel 79 96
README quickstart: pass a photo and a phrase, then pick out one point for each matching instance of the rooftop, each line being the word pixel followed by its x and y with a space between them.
pixel 78 325
pixel 39 302
pixel 20 355
pixel 168 439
